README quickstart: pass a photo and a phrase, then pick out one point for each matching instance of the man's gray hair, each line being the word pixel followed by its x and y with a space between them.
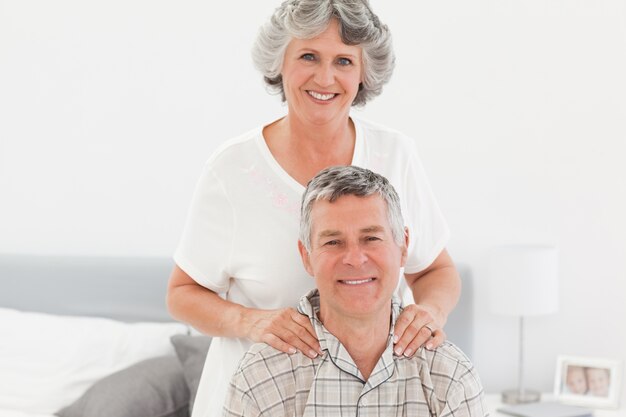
pixel 334 182
pixel 305 19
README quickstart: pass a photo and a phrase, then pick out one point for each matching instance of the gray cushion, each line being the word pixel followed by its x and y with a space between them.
pixel 152 388
pixel 191 351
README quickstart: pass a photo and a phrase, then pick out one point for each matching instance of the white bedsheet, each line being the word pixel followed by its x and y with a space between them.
pixel 47 362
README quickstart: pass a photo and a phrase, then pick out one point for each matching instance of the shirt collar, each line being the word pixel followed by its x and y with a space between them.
pixel 310 304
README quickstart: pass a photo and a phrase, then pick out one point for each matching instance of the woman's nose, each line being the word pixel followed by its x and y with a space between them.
pixel 325 75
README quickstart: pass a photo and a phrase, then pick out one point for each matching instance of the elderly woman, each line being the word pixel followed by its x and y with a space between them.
pixel 238 274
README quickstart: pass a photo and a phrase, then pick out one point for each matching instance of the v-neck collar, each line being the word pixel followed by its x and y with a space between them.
pixel 357 156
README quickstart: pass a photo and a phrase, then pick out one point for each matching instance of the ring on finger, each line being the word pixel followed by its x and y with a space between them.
pixel 432 331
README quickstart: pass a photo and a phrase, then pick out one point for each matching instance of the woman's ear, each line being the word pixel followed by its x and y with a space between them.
pixel 306 259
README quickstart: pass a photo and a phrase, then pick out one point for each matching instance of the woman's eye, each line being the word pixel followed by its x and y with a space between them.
pixel 344 61
pixel 308 57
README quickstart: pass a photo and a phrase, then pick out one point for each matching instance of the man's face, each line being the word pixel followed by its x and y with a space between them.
pixel 354 258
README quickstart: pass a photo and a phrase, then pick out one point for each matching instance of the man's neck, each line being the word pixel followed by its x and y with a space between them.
pixel 365 338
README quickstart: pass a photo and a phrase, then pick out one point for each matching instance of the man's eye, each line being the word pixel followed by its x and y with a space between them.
pixel 344 61
pixel 372 239
pixel 308 57
pixel 331 243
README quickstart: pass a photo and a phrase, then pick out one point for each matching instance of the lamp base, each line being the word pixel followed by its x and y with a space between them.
pixel 514 396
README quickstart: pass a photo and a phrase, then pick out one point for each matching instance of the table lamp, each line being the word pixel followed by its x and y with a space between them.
pixel 523 282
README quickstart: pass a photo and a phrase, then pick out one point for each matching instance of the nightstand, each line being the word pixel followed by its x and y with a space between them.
pixel 493 403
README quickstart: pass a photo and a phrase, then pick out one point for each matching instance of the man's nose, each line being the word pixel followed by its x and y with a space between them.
pixel 354 255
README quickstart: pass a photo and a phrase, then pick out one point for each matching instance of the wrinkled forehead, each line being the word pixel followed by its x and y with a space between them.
pixel 349 211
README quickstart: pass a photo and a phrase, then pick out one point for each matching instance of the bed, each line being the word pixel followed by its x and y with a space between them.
pixel 91 336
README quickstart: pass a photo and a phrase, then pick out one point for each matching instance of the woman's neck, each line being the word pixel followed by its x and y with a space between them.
pixel 318 136
pixel 303 149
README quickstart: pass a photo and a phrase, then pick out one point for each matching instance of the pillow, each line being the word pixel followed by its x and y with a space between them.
pixel 152 388
pixel 49 361
pixel 191 352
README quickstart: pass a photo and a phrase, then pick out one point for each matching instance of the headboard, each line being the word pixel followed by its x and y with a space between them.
pixel 133 289
pixel 128 289
pixel 460 325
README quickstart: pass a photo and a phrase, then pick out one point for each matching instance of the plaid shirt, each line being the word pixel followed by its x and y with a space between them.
pixel 268 382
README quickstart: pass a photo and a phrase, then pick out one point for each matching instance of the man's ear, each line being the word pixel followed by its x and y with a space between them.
pixel 306 259
pixel 405 249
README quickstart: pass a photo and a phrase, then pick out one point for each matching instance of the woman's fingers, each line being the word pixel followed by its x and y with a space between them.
pixel 289 331
pixel 433 341
pixel 299 335
pixel 414 328
pixel 439 336
pixel 286 330
pixel 277 343
pixel 307 334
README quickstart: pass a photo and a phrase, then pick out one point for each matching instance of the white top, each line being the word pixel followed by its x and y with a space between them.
pixel 240 239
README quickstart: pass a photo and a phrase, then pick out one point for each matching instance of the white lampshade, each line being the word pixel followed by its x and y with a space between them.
pixel 524 280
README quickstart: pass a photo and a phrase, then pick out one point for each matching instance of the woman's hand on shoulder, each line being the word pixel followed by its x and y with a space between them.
pixel 284 329
pixel 417 326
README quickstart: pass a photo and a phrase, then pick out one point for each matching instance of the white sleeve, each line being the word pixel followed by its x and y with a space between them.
pixel 204 250
pixel 428 230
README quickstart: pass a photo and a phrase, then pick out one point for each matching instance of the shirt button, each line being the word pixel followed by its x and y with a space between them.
pixel 364 401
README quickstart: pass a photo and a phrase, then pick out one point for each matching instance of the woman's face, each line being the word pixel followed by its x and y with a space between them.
pixel 321 77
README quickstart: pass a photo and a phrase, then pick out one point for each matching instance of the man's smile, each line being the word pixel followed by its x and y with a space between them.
pixel 356 281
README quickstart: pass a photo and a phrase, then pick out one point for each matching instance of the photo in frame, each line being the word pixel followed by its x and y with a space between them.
pixel 592 382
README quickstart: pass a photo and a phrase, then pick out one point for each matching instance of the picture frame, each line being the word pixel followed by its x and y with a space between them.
pixel 586 381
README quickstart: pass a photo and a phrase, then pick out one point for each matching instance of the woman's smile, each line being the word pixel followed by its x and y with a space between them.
pixel 321 96
pixel 321 71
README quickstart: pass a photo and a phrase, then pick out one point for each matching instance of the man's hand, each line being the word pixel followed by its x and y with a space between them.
pixel 415 327
pixel 284 329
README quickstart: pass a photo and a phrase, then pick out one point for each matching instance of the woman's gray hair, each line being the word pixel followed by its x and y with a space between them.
pixel 305 19
pixel 334 182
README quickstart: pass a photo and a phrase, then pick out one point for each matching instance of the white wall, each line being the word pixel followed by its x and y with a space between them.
pixel 109 109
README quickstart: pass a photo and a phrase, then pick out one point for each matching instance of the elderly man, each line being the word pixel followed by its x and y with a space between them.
pixel 354 244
